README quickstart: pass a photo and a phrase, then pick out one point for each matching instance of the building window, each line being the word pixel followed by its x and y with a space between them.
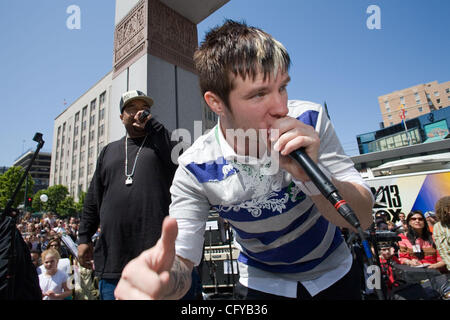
pixel 101 130
pixel 77 116
pixel 100 147
pixel 389 116
pixel 84 112
pixel 402 100
pixel 102 99
pixel 386 104
pixel 93 103
pixel 447 90
pixel 436 93
pixel 420 109
pixel 90 168
pixel 438 100
pixel 92 120
pixel 418 101
pixel 101 114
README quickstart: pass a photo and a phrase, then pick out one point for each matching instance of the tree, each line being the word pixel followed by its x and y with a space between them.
pixel 38 205
pixel 79 205
pixel 8 183
pixel 56 194
pixel 66 208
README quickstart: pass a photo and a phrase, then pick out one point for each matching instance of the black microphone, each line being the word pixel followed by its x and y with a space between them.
pixel 329 191
pixel 144 115
pixel 325 186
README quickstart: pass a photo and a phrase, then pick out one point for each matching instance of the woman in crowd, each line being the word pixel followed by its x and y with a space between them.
pixel 417 247
pixel 441 231
pixel 53 282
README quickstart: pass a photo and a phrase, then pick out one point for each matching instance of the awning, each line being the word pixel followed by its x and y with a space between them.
pixel 428 159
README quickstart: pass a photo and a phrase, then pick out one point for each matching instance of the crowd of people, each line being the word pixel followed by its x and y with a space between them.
pixel 60 275
pixel 424 241
pixel 39 231
pixel 153 212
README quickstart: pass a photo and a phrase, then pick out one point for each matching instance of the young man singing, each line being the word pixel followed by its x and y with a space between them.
pixel 287 232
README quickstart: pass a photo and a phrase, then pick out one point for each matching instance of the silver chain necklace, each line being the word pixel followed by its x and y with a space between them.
pixel 129 179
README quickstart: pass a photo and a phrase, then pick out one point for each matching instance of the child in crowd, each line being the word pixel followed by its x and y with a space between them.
pixel 53 282
pixel 387 258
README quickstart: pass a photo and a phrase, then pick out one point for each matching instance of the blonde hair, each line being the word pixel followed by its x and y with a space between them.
pixel 240 50
pixel 52 252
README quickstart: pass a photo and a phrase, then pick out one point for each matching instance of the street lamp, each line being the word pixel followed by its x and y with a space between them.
pixel 43 198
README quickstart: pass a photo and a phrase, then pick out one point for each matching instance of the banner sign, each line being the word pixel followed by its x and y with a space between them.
pixel 408 193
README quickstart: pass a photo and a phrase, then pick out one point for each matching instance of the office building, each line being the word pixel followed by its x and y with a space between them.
pixel 416 101
pixel 154 42
pixel 80 132
pixel 40 169
pixel 430 127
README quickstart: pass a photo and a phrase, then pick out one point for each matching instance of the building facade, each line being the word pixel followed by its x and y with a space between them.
pixel 426 128
pixel 80 133
pixel 154 42
pixel 40 169
pixel 417 100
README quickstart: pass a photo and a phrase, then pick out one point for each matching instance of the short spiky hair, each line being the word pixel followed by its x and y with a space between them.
pixel 237 49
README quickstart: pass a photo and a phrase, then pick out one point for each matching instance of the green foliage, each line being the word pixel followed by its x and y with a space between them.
pixel 66 208
pixel 8 183
pixel 38 205
pixel 79 205
pixel 56 194
pixel 58 201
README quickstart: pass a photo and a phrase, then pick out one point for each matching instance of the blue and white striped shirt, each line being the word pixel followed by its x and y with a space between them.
pixel 280 233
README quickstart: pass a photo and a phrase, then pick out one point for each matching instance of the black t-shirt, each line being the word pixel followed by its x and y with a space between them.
pixel 130 216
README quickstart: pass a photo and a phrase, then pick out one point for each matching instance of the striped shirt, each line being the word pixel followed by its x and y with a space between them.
pixel 278 229
pixel 441 236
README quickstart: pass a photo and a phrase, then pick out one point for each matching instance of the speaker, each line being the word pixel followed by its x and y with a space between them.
pixel 218 274
pixel 217 270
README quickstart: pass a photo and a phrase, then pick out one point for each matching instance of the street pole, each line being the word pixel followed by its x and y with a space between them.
pixel 403 117
pixel 25 197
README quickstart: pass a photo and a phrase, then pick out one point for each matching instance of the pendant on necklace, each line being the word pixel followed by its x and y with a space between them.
pixel 129 181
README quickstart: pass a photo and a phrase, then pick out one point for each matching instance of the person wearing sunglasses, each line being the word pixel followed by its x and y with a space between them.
pixel 417 248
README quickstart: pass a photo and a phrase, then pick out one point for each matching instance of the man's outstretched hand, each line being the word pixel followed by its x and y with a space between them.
pixel 147 276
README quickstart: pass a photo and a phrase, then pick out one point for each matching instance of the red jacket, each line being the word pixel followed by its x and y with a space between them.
pixel 406 252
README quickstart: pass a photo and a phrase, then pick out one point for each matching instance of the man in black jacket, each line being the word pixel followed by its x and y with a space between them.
pixel 129 194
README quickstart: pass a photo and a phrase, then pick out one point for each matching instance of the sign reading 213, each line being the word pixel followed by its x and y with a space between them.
pixel 387 201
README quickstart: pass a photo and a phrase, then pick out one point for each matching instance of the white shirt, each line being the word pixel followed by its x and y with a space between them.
pixel 54 282
pixel 191 229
